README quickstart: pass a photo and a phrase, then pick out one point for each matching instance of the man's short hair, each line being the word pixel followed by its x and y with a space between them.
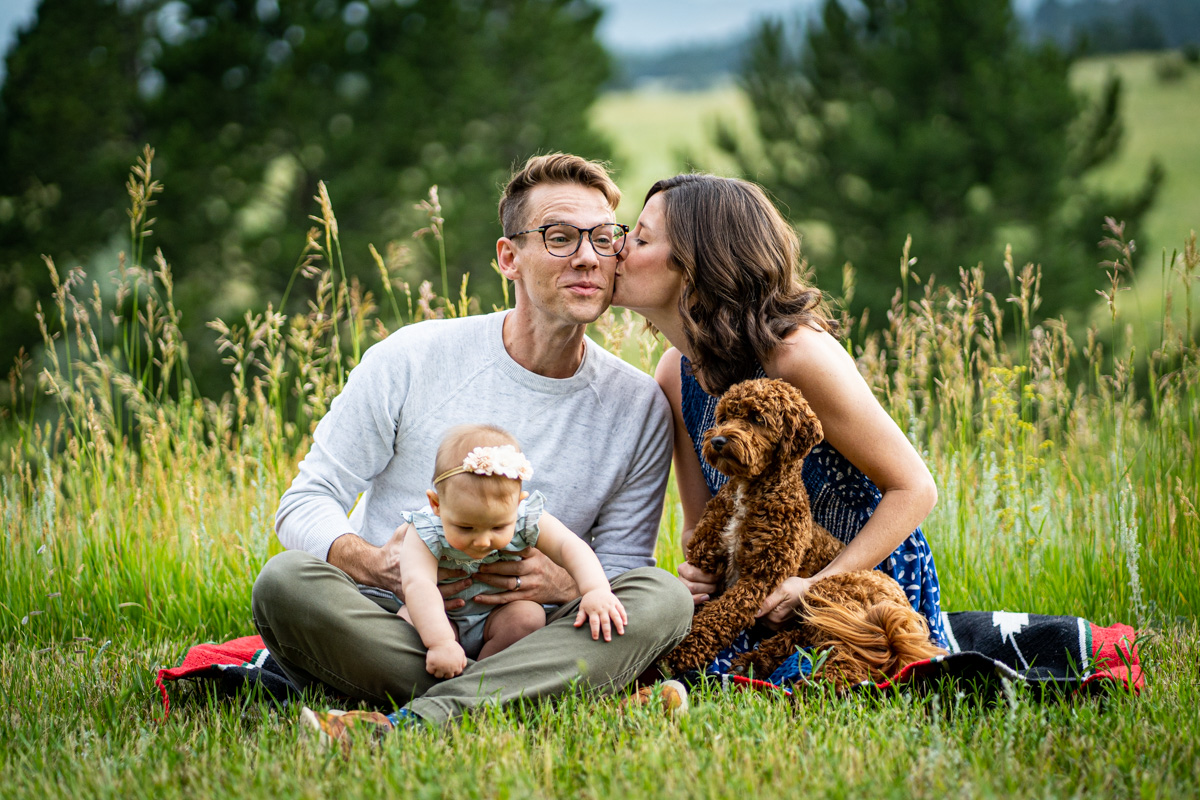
pixel 551 168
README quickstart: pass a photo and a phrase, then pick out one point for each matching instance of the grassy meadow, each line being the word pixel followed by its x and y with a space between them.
pixel 1161 119
pixel 138 514
pixel 656 131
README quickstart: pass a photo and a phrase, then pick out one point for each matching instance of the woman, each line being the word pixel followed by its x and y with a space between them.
pixel 712 265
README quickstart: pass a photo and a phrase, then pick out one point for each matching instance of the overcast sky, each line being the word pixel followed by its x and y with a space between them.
pixel 13 14
pixel 657 24
pixel 628 24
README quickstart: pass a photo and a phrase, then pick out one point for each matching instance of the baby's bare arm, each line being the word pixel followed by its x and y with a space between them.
pixel 421 595
pixel 569 551
pixel 598 606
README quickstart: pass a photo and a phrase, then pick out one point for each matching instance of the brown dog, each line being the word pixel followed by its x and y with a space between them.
pixel 758 531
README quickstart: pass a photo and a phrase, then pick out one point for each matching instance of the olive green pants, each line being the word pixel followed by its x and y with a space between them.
pixel 322 630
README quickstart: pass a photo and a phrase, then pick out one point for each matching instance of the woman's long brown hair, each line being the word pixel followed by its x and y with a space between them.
pixel 742 293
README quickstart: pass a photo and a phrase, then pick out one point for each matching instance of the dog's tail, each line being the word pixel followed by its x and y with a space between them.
pixel 871 643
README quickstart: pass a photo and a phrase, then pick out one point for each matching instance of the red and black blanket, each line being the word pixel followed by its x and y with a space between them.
pixel 1068 653
pixel 987 647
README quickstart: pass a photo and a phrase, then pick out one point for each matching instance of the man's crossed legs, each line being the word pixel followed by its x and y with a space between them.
pixel 321 629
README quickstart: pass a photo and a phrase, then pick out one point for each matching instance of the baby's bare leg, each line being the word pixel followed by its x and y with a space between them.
pixel 509 623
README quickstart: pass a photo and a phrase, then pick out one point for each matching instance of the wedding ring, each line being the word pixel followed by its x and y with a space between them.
pixel 518 584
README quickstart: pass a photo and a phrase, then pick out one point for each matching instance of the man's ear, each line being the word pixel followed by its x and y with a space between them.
pixel 506 258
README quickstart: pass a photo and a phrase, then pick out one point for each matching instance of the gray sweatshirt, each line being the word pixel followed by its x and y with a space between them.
pixel 599 441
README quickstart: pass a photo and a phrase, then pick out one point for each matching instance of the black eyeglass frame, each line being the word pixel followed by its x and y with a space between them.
pixel 624 229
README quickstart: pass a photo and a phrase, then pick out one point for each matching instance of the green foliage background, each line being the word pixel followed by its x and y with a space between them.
pixel 934 118
pixel 250 104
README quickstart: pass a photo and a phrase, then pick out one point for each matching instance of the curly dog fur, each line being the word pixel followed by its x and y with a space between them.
pixel 758 531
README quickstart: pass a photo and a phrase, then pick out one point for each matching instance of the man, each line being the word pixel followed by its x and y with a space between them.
pixel 596 430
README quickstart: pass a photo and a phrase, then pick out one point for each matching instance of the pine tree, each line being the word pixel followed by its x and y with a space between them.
pixel 933 118
pixel 67 115
pixel 249 104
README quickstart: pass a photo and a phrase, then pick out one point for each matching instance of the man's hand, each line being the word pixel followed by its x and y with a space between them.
pixel 535 577
pixel 700 583
pixel 380 566
pixel 781 604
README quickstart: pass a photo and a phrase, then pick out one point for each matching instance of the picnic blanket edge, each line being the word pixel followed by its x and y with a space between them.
pixel 1114 660
pixel 206 657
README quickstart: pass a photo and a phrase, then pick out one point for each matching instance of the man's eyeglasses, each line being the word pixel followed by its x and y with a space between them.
pixel 562 239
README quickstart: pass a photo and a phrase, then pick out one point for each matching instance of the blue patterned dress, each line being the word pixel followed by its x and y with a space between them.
pixel 842 500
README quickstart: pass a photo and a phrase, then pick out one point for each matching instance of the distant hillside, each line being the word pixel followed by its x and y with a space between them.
pixel 688 68
pixel 1083 26
pixel 1117 26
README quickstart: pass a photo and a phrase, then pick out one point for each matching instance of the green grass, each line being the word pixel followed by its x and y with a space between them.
pixel 137 517
pixel 81 729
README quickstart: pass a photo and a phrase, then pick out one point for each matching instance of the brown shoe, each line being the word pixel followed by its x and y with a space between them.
pixel 670 696
pixel 338 728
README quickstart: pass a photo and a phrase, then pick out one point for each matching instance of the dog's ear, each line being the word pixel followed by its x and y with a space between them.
pixel 803 429
pixel 811 432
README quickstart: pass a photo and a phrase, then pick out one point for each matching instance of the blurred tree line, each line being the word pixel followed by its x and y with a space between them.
pixel 934 118
pixel 248 105
pixel 693 67
pixel 1101 26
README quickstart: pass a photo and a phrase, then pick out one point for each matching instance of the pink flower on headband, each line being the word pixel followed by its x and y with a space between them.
pixel 503 460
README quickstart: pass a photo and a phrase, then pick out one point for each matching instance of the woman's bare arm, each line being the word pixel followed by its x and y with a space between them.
pixel 858 427
pixel 689 479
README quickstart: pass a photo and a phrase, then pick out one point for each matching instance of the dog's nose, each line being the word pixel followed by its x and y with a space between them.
pixel 718 443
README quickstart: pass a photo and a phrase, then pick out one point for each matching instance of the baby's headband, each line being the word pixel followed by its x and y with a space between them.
pixel 503 460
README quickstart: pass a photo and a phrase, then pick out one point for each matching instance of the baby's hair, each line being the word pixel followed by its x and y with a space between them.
pixel 458 442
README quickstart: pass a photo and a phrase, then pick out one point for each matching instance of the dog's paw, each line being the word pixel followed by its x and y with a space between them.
pixel 751 664
pixel 681 666
pixel 685 658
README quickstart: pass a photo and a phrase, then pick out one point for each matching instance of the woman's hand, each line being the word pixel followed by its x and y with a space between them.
pixel 700 583
pixel 445 660
pixel 605 612
pixel 781 604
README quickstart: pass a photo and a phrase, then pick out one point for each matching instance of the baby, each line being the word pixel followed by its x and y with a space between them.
pixel 483 516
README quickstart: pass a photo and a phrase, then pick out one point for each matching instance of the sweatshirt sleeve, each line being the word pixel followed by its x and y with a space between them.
pixel 351 445
pixel 626 530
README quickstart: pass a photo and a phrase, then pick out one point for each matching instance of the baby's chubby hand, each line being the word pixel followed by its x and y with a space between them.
pixel 604 611
pixel 445 660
